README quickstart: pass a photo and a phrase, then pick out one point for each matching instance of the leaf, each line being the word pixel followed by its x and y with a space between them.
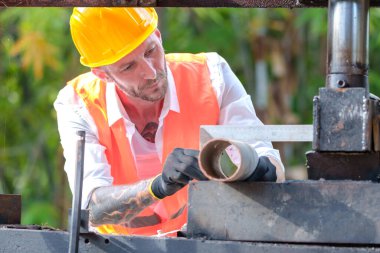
pixel 226 164
pixel 35 53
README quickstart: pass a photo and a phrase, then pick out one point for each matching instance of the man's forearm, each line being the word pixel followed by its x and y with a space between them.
pixel 119 204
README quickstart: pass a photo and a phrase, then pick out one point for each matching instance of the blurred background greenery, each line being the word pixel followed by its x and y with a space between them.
pixel 278 54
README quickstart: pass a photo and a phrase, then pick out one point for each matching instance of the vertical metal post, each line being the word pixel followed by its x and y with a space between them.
pixel 76 204
pixel 347 63
pixel 344 112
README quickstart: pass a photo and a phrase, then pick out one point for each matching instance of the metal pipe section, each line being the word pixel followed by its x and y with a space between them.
pixel 227 161
pixel 348 44
pixel 76 204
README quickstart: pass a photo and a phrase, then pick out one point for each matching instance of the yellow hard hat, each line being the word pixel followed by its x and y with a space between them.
pixel 105 35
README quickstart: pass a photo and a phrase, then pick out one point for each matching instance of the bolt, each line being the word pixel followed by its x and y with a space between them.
pixel 341 83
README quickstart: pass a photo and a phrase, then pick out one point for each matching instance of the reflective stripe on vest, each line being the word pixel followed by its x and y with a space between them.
pixel 198 106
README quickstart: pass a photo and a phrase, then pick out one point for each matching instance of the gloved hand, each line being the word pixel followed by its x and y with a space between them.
pixel 265 171
pixel 180 167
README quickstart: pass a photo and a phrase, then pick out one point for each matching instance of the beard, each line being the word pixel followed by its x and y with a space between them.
pixel 146 92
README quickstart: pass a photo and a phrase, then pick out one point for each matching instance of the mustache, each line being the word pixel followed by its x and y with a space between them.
pixel 148 83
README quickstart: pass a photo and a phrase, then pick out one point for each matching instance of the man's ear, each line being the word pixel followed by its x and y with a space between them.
pixel 100 73
pixel 158 34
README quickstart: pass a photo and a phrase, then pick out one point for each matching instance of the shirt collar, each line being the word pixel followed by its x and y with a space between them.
pixel 116 111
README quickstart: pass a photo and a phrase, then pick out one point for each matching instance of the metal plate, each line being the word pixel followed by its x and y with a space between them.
pixel 10 209
pixel 339 166
pixel 333 212
pixel 342 120
pixel 20 241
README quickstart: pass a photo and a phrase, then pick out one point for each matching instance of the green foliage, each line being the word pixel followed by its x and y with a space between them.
pixel 38 57
pixel 42 213
pixel 374 57
pixel 32 72
pixel 228 167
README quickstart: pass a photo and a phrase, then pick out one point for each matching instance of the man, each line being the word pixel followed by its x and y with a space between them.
pixel 141 110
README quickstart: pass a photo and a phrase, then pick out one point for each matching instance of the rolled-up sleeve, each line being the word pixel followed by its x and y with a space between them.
pixel 72 116
pixel 235 104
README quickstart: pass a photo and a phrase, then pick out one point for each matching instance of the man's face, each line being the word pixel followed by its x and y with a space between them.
pixel 142 73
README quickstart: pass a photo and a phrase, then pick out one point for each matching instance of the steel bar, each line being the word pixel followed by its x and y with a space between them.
pixel 347 59
pixel 172 3
pixel 76 204
pixel 10 209
pixel 326 212
pixel 276 133
pixel 84 220
pixel 56 241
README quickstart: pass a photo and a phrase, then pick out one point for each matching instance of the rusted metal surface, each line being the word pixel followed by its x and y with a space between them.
pixel 57 242
pixel 343 120
pixel 339 80
pixel 328 212
pixel 376 122
pixel 10 209
pixel 339 166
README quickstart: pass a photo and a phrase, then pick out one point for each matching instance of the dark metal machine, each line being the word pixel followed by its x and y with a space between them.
pixel 336 211
pixel 346 116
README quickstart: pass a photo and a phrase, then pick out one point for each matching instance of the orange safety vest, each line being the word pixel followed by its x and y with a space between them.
pixel 198 106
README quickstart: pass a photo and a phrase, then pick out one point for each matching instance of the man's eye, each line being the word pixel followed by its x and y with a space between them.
pixel 150 51
pixel 127 68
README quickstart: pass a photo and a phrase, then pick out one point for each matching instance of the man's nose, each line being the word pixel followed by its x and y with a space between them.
pixel 148 70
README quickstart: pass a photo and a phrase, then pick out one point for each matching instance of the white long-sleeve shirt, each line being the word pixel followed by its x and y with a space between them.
pixel 235 109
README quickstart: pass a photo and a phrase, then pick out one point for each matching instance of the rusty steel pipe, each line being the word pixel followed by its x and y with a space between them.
pixel 347 59
pixel 210 160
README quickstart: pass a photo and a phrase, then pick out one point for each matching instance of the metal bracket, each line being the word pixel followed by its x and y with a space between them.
pixel 342 120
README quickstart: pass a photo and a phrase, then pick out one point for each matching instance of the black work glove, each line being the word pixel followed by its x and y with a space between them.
pixel 180 167
pixel 265 171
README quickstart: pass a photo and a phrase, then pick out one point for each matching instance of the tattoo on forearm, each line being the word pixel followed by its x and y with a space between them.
pixel 119 204
pixel 149 131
